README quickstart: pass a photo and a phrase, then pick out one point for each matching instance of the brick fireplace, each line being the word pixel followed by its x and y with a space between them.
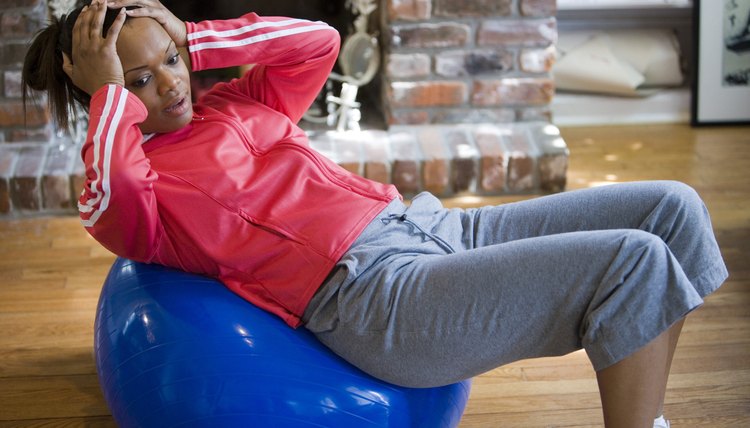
pixel 459 106
pixel 450 61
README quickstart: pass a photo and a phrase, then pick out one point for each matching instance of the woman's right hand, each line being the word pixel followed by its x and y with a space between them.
pixel 95 62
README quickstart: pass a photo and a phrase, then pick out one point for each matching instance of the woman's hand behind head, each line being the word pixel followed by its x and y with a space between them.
pixel 174 26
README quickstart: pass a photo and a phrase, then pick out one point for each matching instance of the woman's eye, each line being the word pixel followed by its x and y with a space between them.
pixel 143 81
pixel 174 59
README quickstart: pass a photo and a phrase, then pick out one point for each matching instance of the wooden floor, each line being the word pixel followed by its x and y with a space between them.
pixel 51 271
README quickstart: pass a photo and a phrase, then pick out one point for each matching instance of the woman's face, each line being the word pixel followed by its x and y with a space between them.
pixel 156 74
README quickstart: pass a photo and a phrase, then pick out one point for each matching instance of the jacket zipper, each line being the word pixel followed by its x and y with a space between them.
pixel 273 228
pixel 268 227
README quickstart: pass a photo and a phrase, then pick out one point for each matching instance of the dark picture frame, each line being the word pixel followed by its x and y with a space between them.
pixel 721 91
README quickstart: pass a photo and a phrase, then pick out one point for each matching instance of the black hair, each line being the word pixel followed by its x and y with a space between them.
pixel 43 66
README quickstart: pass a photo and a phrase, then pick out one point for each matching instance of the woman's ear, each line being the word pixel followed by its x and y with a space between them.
pixel 67 66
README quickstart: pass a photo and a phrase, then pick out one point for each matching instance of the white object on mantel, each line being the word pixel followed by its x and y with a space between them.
pixel 622 62
pixel 593 67
pixel 619 4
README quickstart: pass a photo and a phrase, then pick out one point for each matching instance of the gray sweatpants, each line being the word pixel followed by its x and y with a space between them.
pixel 429 296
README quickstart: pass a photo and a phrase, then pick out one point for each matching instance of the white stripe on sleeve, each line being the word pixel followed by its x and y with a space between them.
pixel 104 174
pixel 108 149
pixel 242 30
pixel 97 150
pixel 257 39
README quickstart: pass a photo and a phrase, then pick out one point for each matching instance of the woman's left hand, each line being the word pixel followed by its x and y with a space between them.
pixel 174 26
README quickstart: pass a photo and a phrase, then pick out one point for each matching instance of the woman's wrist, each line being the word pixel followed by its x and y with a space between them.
pixel 183 42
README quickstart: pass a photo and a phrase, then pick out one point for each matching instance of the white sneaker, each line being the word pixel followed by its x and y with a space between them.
pixel 660 422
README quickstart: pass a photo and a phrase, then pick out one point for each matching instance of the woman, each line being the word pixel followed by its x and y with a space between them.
pixel 418 296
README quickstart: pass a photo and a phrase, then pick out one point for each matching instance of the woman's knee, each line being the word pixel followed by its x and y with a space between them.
pixel 680 194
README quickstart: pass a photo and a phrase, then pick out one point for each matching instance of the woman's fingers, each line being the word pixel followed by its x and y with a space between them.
pixel 135 3
pixel 90 21
pixel 124 3
pixel 114 31
pixel 81 28
pixel 97 21
pixel 94 60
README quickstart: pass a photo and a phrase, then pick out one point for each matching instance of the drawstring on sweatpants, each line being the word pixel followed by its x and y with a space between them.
pixel 403 219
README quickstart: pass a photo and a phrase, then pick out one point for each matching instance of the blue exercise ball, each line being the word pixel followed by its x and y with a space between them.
pixel 178 349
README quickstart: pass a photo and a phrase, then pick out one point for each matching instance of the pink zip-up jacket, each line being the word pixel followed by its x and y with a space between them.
pixel 237 194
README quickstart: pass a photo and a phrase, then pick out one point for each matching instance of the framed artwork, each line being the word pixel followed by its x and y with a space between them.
pixel 721 84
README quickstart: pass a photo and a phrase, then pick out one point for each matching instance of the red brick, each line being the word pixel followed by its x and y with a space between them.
pixel 537 60
pixel 21 3
pixel 21 22
pixel 464 161
pixel 378 171
pixel 342 148
pixel 518 32
pixel 408 66
pixel 427 94
pixel 520 172
pixel 348 150
pixel 8 159
pixel 322 143
pixel 455 8
pixel 406 160
pixel 492 169
pixel 521 161
pixel 12 84
pixel 533 114
pixel 55 179
pixel 513 91
pixel 28 134
pixel 408 117
pixel 553 171
pixel 26 191
pixel 553 160
pixel 13 53
pixel 538 7
pixel 11 114
pixel 474 115
pixel 377 159
pixel 441 35
pixel 435 160
pixel 473 62
pixel 409 10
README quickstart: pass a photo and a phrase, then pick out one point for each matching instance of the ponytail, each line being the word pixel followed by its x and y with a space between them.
pixel 43 68
pixel 43 71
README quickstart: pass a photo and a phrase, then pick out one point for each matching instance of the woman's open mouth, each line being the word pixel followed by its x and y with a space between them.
pixel 178 108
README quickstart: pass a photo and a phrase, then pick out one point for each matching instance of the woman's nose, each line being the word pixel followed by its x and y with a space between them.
pixel 168 82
